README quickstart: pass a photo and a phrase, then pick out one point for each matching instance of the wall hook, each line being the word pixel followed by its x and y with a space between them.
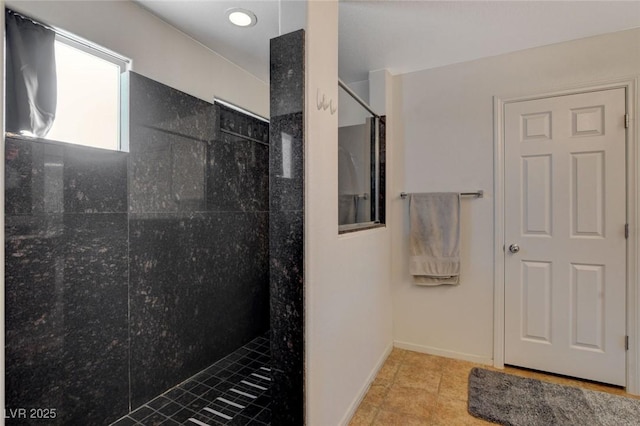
pixel 319 103
pixel 322 104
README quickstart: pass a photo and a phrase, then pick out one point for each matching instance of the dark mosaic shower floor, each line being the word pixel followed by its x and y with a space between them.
pixel 233 391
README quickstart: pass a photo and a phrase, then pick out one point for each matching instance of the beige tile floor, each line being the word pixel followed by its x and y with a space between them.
pixel 419 389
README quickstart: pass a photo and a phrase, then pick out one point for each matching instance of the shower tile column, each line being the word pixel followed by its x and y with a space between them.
pixel 286 228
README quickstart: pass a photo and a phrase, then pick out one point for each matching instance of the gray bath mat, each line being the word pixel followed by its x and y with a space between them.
pixel 518 401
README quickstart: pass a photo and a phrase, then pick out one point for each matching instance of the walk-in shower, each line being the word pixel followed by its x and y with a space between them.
pixel 129 272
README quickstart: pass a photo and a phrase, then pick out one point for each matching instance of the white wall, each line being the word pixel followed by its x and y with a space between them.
pixel 347 299
pixel 361 88
pixel 158 50
pixel 447 122
pixel 351 112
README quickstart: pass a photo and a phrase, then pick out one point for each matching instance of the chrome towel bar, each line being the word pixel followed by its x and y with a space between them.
pixel 477 194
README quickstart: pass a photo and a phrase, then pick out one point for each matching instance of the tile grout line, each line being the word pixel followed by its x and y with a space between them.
pixel 388 389
pixel 458 393
pixel 258 359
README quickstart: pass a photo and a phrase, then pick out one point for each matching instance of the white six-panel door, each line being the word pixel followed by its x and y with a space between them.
pixel 565 215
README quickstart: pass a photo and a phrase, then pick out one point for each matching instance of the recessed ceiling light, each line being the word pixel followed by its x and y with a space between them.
pixel 241 17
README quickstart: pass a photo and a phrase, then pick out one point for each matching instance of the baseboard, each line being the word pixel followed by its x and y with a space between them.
pixel 442 352
pixel 365 387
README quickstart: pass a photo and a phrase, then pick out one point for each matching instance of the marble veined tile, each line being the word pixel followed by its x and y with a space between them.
pixel 156 105
pixel 199 289
pixel 166 172
pixel 237 175
pixel 95 180
pixel 66 315
pixel 50 177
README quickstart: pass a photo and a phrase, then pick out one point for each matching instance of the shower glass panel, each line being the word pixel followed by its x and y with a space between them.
pixel 358 164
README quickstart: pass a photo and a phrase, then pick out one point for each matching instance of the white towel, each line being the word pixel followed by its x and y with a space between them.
pixel 435 238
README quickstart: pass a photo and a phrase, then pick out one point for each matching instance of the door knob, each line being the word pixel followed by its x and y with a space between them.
pixel 514 248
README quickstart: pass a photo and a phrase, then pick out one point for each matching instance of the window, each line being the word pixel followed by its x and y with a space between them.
pixel 360 164
pixel 60 87
pixel 88 106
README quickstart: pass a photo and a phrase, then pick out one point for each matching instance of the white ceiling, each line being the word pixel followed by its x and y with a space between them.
pixel 403 36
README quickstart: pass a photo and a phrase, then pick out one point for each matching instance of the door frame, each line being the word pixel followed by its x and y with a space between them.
pixel 633 183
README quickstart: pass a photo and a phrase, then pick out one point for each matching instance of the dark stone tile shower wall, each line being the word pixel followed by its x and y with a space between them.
pixel 286 228
pixel 66 281
pixel 128 273
pixel 198 229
